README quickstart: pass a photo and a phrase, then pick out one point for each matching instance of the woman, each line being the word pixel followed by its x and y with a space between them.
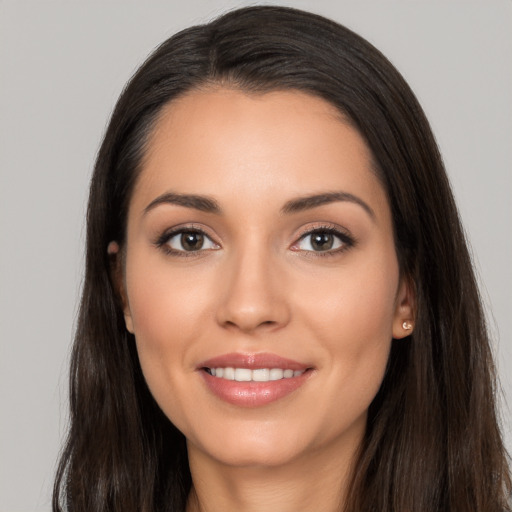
pixel 279 310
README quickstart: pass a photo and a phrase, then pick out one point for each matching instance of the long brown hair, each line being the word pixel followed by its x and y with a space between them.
pixel 432 441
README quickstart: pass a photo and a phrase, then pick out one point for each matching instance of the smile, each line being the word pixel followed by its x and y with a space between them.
pixel 257 375
pixel 253 380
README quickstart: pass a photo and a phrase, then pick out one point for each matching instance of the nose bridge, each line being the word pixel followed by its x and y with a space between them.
pixel 253 295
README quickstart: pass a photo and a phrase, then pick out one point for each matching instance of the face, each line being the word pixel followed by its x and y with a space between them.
pixel 260 276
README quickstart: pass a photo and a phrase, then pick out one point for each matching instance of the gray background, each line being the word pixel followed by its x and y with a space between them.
pixel 62 66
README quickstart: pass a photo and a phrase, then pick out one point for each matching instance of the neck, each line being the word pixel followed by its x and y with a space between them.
pixel 312 483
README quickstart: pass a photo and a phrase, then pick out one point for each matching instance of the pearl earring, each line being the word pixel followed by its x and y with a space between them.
pixel 407 326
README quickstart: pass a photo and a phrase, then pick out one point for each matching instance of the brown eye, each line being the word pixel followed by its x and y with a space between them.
pixel 188 241
pixel 322 241
pixel 192 241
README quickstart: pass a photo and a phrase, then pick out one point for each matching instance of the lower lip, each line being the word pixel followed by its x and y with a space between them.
pixel 253 394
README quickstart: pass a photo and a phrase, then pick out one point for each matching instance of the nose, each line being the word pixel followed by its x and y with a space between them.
pixel 254 296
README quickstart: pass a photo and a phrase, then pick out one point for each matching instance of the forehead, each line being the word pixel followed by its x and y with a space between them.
pixel 223 142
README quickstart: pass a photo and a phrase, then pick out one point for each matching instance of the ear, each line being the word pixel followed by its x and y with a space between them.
pixel 405 309
pixel 117 277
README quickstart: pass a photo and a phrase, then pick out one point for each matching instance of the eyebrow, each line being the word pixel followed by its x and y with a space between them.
pixel 307 202
pixel 209 205
pixel 201 203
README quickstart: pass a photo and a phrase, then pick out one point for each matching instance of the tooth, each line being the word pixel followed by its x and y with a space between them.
pixel 258 375
pixel 243 374
pixel 276 374
pixel 229 373
pixel 261 375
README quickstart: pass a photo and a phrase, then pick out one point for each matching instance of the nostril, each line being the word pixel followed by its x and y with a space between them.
pixel 248 326
pixel 250 310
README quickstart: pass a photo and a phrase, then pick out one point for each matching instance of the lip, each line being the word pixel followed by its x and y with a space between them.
pixel 253 394
pixel 253 362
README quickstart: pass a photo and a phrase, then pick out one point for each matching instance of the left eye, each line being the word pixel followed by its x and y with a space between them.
pixel 190 241
pixel 320 241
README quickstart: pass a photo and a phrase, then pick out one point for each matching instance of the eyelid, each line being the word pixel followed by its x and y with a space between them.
pixel 163 239
pixel 178 236
pixel 347 240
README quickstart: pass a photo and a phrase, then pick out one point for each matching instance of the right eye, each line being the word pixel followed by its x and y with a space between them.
pixel 188 240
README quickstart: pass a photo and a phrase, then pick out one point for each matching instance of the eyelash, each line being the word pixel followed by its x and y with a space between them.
pixel 347 241
pixel 163 241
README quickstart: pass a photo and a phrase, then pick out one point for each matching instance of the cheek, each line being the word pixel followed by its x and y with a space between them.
pixel 355 303
pixel 353 321
pixel 167 309
pixel 166 304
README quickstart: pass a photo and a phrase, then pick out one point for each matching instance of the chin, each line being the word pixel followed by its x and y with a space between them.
pixel 268 444
pixel 254 444
pixel 255 453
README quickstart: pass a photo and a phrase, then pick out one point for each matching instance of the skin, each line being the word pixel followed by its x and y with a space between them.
pixel 258 286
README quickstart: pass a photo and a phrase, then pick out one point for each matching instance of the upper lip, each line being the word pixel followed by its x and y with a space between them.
pixel 253 362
